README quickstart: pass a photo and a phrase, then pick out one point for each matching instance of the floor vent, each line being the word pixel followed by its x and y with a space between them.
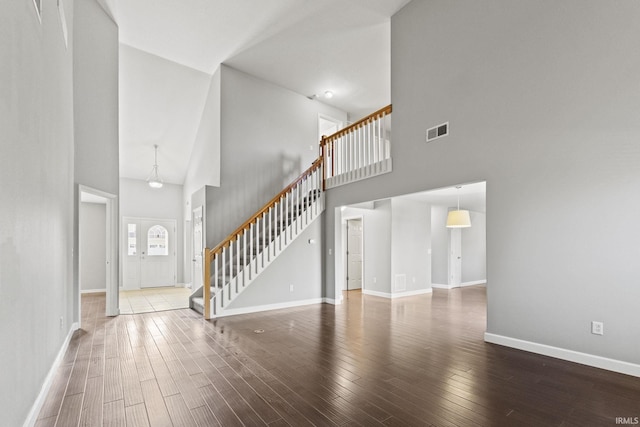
pixel 437 132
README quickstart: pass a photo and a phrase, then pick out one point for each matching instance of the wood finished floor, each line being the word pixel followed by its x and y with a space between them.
pixel 415 361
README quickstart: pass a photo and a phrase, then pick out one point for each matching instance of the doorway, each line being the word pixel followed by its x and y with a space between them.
pixel 110 241
pixel 354 254
pixel 148 253
pixel 327 126
pixel 455 257
pixel 197 247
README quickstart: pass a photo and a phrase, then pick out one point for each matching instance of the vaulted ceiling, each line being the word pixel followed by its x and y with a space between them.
pixel 169 49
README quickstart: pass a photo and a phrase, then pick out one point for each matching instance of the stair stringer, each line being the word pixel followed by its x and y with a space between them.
pixel 265 257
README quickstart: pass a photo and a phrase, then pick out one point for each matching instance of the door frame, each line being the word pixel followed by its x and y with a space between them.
pixel 196 276
pixel 455 265
pixel 345 268
pixel 112 232
pixel 123 245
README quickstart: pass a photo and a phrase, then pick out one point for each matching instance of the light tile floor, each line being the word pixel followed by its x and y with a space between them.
pixel 153 299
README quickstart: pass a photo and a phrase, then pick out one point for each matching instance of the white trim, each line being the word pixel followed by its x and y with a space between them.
pixel 411 293
pixel 462 285
pixel 396 294
pixel 93 291
pixel 267 307
pixel 112 250
pixel 565 354
pixel 48 381
pixel 376 293
pixel 364 172
pixel 331 301
pixel 473 283
pixel 441 286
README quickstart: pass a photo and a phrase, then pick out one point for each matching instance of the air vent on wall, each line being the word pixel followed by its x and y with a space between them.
pixel 438 132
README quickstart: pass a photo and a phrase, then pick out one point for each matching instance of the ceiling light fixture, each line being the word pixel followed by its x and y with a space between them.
pixel 458 218
pixel 154 179
pixel 328 94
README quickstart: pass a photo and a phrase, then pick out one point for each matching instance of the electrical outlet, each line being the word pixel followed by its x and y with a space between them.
pixel 61 322
pixel 375 280
pixel 290 288
pixel 597 328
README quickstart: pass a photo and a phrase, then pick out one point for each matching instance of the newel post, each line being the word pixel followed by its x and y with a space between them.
pixel 206 282
pixel 324 164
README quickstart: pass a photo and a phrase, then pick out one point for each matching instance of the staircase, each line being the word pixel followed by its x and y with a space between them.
pixel 356 152
pixel 232 265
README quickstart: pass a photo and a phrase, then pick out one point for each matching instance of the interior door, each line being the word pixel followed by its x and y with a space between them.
pixel 455 257
pixel 354 254
pixel 198 246
pixel 158 253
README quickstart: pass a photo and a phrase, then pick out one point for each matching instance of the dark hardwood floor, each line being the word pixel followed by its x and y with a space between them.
pixel 371 361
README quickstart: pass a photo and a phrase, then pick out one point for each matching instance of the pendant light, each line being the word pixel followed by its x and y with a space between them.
pixel 154 179
pixel 458 218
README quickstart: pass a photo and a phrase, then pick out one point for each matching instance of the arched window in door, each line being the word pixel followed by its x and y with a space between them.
pixel 157 241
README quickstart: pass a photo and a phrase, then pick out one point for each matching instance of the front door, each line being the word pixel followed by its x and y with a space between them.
pixel 150 253
pixel 354 254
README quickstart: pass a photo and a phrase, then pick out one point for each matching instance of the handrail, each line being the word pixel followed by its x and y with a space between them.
pixel 381 112
pixel 271 203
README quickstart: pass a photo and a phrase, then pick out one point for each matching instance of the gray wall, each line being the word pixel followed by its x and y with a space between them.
pixel 299 265
pixel 396 239
pixel 36 200
pixel 95 97
pixel 93 246
pixel 204 164
pixel 439 246
pixel 139 200
pixel 410 243
pixel 542 101
pixel 95 89
pixel 474 249
pixel 269 135
pixel 376 242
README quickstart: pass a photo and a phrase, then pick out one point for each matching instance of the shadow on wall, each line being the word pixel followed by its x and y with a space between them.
pixel 229 205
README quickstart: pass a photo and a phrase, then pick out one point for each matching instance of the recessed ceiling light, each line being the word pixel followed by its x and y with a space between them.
pixel 328 94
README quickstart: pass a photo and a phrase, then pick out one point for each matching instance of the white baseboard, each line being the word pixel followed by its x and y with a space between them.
pixel 93 291
pixel 473 283
pixel 268 307
pixel 48 381
pixel 462 285
pixel 332 301
pixel 396 294
pixel 564 354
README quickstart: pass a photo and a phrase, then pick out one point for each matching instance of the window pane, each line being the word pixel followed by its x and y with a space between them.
pixel 157 241
pixel 131 232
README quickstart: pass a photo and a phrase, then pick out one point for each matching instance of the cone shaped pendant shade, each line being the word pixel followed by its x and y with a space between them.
pixel 458 218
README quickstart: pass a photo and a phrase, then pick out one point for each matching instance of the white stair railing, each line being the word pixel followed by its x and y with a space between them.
pixel 232 265
pixel 359 151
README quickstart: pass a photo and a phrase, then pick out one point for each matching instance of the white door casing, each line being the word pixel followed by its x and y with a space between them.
pixel 455 257
pixel 197 247
pixel 354 254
